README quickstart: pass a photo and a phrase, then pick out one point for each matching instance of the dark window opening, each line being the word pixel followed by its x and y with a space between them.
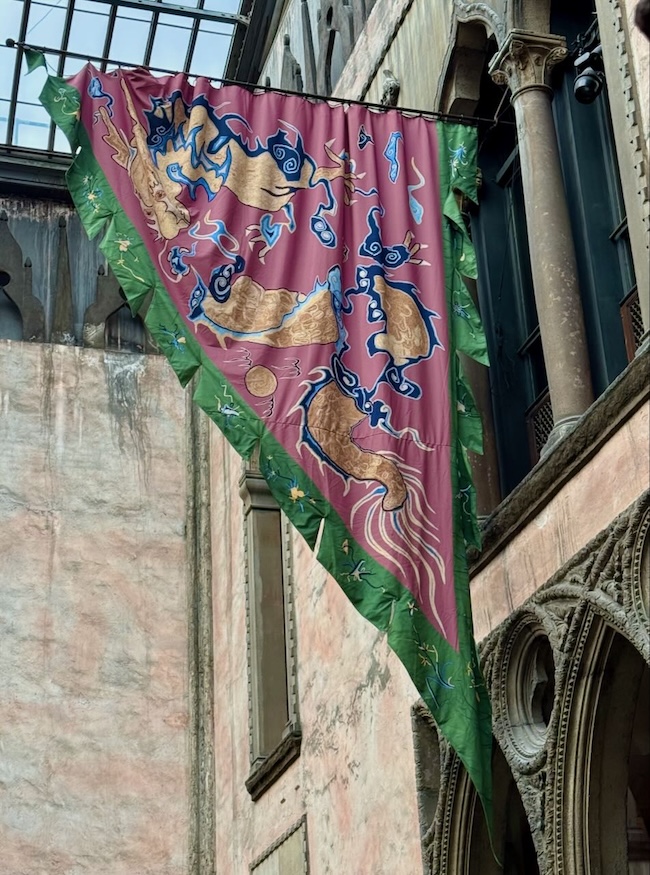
pixel 523 416
pixel 595 202
pixel 124 332
pixel 505 287
pixel 11 320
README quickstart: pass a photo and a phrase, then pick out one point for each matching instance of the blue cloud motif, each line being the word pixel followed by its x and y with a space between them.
pixel 390 153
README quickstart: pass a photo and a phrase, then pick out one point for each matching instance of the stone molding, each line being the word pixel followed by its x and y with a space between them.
pixel 631 144
pixel 269 770
pixel 468 12
pixel 299 825
pixel 255 495
pixel 618 403
pixel 601 593
pixel 525 60
pixel 201 643
pixel 371 47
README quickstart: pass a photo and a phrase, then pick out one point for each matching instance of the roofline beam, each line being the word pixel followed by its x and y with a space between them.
pixel 184 11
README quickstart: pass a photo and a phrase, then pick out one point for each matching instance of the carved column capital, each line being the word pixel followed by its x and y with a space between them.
pixel 525 60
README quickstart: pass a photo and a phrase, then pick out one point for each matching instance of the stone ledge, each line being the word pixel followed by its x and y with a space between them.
pixel 34 174
pixel 605 416
pixel 267 772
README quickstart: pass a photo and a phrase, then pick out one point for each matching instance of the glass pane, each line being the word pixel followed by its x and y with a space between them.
pixel 231 6
pixel 92 6
pixel 46 25
pixel 87 34
pixel 11 15
pixel 31 85
pixel 268 631
pixel 210 54
pixel 72 66
pixel 61 142
pixel 170 47
pixel 7 62
pixel 129 38
pixel 218 28
pixel 31 127
pixel 128 13
pixel 4 109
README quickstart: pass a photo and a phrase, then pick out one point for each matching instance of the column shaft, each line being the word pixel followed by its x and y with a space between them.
pixel 552 257
pixel 523 64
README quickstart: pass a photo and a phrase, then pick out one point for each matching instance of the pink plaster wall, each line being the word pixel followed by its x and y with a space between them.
pixel 93 614
pixel 586 505
pixel 355 777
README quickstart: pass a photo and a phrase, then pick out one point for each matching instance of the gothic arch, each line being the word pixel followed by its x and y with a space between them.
pixel 335 41
pixel 594 769
pixel 569 679
pixel 459 86
pixel 465 848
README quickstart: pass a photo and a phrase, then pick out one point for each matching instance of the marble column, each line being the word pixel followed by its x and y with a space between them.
pixel 523 64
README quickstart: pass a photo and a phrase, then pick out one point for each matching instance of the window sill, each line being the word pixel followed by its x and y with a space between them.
pixel 277 762
pixel 605 416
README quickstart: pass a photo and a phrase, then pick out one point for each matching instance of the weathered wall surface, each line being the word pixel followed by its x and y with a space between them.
pixel 354 778
pixel 414 53
pixel 606 486
pixel 93 614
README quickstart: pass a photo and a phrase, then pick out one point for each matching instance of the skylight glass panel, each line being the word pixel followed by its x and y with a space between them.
pixel 130 37
pixel 100 29
pixel 211 52
pixel 45 23
pixel 231 6
pixel 170 43
pixel 31 126
pixel 87 33
pixel 191 4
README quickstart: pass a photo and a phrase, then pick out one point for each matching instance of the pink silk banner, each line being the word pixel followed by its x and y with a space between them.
pixel 301 244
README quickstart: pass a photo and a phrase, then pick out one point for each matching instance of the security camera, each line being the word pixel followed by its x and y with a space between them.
pixel 590 75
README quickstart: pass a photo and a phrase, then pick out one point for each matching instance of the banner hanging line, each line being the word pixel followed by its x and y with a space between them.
pixel 306 261
pixel 378 107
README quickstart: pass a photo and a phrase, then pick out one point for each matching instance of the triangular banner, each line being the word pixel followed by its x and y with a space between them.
pixel 308 258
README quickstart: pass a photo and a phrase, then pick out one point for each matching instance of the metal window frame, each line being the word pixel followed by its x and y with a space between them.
pixel 192 16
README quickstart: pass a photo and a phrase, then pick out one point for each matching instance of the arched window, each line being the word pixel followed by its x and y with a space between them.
pixel 124 332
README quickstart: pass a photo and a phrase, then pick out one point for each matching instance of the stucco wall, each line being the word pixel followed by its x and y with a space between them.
pixel 606 486
pixel 355 776
pixel 93 614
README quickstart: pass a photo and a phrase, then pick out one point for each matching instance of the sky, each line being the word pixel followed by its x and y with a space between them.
pixel 90 18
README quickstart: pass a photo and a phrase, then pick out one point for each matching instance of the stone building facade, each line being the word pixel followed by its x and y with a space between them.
pixel 184 689
pixel 560 590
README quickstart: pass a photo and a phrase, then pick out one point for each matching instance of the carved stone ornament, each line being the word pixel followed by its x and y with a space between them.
pixel 543 667
pixel 466 12
pixel 525 61
pixel 390 90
